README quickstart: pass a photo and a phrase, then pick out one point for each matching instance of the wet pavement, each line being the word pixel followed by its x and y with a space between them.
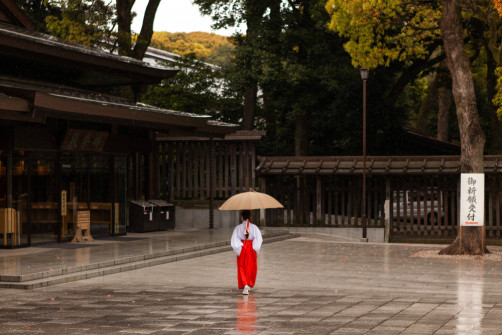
pixel 311 284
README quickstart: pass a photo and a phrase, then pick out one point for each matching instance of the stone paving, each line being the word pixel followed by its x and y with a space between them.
pixel 311 284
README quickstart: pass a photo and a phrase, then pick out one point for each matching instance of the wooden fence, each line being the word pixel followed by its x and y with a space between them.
pixel 423 203
pixel 324 201
pixel 192 170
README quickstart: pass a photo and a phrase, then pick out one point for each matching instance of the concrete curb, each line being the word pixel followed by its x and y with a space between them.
pixel 61 276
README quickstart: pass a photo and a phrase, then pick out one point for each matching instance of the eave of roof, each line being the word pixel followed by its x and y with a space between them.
pixel 346 165
pixel 216 127
pixel 34 101
pixel 26 43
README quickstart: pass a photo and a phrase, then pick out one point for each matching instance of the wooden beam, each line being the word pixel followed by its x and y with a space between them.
pixel 14 104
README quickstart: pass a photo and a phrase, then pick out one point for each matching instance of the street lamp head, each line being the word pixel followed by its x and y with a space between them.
pixel 364 73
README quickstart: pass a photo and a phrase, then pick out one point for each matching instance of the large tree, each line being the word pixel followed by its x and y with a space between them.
pixel 125 16
pixel 90 21
pixel 381 32
pixel 233 13
pixel 297 63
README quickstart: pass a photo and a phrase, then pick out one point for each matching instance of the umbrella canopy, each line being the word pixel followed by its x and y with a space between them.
pixel 250 200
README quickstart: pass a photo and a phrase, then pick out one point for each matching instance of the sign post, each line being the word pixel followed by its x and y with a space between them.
pixel 472 203
pixel 64 201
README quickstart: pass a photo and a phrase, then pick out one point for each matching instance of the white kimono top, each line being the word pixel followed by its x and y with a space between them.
pixel 238 235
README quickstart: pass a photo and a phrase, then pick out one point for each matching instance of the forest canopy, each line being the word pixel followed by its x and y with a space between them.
pixel 204 46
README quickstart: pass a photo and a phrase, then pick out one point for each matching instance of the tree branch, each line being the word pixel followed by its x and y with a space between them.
pixel 412 72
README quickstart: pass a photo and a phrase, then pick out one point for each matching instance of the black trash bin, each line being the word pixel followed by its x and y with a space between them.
pixel 141 218
pixel 163 213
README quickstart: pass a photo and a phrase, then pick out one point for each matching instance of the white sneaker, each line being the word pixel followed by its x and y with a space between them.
pixel 246 290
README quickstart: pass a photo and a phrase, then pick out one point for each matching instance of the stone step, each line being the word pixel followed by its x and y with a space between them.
pixel 61 276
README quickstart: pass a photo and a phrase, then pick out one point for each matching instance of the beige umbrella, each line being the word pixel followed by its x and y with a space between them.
pixel 250 200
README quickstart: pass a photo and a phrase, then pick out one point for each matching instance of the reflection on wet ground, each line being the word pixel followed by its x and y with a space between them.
pixel 246 314
pixel 305 285
pixel 44 258
pixel 470 301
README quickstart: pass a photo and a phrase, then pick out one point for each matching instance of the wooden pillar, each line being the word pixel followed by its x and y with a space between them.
pixel 150 168
pixel 156 166
pixel 387 210
pixel 137 174
pixel 233 169
pixel 88 158
pixel 113 192
pixel 8 236
pixel 241 168
pixel 319 217
pixel 29 163
pixel 263 189
pixel 170 171
pixel 59 188
pixel 9 177
pixel 113 186
pixel 252 147
pixel 212 178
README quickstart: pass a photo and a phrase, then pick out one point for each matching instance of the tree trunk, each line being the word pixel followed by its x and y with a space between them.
pixel 249 107
pixel 145 36
pixel 472 138
pixel 124 20
pixel 301 135
pixel 253 14
pixel 444 103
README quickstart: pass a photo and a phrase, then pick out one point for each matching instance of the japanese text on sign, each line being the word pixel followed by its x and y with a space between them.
pixel 63 202
pixel 472 199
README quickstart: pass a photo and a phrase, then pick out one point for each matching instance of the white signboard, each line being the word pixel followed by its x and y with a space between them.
pixel 472 199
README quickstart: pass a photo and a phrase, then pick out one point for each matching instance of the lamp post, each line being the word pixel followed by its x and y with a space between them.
pixel 364 76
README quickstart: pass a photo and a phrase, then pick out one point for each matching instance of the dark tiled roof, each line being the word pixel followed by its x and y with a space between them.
pixel 48 40
pixel 309 165
pixel 71 94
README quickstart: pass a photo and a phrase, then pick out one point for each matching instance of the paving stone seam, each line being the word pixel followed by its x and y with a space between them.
pixel 128 266
pixel 387 319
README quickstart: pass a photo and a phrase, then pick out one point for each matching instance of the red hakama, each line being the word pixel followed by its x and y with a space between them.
pixel 247 267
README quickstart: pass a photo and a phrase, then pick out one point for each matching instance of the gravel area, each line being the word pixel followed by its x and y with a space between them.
pixel 434 253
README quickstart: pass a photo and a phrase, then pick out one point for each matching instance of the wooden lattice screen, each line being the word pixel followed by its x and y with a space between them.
pixel 187 168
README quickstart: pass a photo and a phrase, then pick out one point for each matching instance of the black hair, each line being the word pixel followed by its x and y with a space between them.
pixel 246 215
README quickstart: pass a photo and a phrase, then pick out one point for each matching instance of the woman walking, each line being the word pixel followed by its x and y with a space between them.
pixel 246 242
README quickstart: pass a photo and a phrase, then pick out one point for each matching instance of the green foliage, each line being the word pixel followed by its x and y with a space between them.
pixel 302 69
pixel 380 32
pixel 412 97
pixel 221 55
pixel 85 22
pixel 497 100
pixel 197 88
pixel 38 10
